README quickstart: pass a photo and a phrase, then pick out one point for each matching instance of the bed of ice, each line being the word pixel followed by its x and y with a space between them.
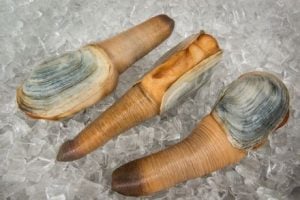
pixel 255 35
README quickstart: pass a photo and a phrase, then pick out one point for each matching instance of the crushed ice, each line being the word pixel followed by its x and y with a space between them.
pixel 256 35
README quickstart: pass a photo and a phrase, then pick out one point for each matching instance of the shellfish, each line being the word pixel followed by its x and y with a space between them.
pixel 64 85
pixel 186 67
pixel 248 110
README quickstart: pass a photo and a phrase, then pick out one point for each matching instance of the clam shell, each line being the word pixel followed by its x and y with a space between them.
pixel 252 107
pixel 65 84
pixel 189 82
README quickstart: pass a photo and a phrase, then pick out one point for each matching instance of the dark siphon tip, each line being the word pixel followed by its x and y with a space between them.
pixel 127 180
pixel 67 152
pixel 167 20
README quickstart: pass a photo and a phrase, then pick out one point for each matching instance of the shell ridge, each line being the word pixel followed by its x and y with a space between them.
pixel 65 81
pixel 250 116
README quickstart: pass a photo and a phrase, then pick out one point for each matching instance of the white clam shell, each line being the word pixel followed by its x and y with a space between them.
pixel 60 84
pixel 251 107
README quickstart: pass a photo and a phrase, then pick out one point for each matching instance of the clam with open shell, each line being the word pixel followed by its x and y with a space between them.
pixel 248 110
pixel 64 85
pixel 182 70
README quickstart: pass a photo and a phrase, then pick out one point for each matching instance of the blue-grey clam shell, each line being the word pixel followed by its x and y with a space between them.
pixel 65 84
pixel 252 107
pixel 58 74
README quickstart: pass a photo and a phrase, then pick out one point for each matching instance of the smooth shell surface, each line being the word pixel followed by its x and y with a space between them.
pixel 75 76
pixel 189 82
pixel 252 107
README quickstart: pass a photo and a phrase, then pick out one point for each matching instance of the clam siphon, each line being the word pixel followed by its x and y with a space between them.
pixel 185 68
pixel 64 85
pixel 248 110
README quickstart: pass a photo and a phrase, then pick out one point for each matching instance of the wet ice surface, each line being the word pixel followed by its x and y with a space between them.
pixel 255 35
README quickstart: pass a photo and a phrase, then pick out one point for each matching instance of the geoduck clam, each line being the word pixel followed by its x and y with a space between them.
pixel 64 85
pixel 186 67
pixel 247 111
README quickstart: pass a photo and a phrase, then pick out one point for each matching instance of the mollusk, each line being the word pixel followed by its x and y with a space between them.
pixel 67 84
pixel 251 107
pixel 186 67
pixel 189 82
pixel 247 111
pixel 63 85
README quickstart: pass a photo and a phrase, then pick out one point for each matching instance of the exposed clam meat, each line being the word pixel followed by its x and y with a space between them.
pixel 190 82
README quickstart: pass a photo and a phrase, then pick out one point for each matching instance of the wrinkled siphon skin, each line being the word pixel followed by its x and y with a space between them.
pixel 64 85
pixel 185 69
pixel 247 111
